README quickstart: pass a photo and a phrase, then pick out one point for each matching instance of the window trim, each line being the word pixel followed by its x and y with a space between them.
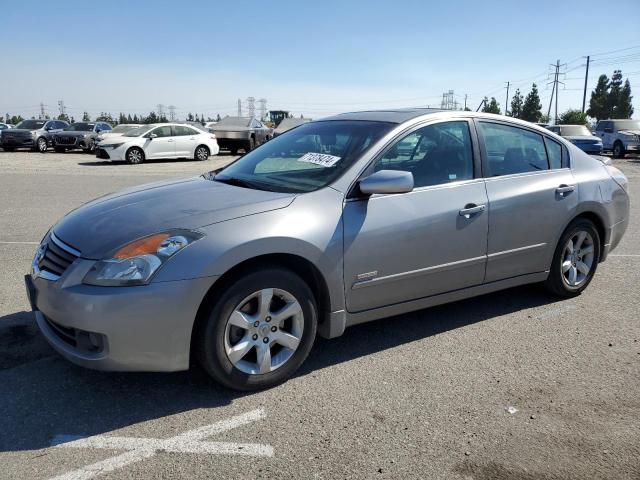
pixel 352 192
pixel 485 158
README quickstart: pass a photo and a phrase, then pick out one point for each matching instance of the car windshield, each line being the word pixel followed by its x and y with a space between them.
pixel 574 130
pixel 123 128
pixel 138 131
pixel 31 124
pixel 628 124
pixel 80 127
pixel 306 158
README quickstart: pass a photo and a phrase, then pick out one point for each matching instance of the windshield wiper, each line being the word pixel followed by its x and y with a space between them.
pixel 238 182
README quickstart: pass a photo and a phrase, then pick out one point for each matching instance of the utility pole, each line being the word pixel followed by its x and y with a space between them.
pixel 506 102
pixel 61 106
pixel 239 108
pixel 42 114
pixel 465 101
pixel 480 106
pixel 556 88
pixel 172 113
pixel 586 77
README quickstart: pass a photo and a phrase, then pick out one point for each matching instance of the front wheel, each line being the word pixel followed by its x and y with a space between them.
pixel 42 145
pixel 202 153
pixel 259 331
pixel 251 144
pixel 575 259
pixel 618 150
pixel 135 156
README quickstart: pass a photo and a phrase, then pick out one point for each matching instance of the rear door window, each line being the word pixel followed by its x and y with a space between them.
pixel 512 150
pixel 554 150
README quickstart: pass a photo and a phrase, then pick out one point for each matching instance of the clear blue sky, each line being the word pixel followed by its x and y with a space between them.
pixel 311 57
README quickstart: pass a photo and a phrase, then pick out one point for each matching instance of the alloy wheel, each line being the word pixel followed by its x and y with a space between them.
pixel 42 145
pixel 264 331
pixel 202 153
pixel 135 156
pixel 577 259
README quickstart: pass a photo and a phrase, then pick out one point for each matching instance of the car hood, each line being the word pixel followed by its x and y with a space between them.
pixel 582 137
pixel 99 227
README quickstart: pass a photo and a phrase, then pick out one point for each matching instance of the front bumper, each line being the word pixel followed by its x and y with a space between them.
pixel 632 147
pixel 110 153
pixel 18 142
pixel 142 328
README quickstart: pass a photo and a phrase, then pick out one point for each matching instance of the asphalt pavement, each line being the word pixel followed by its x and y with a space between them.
pixel 512 385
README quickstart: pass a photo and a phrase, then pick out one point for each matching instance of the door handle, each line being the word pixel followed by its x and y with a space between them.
pixel 564 189
pixel 170 140
pixel 471 209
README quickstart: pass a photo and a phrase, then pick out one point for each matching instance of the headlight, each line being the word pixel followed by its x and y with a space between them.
pixel 136 262
pixel 112 145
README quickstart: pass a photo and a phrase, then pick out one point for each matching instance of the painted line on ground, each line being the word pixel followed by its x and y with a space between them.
pixel 139 449
pixel 623 255
pixel 18 243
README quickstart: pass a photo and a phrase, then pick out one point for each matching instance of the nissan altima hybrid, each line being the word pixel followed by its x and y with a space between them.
pixel 353 218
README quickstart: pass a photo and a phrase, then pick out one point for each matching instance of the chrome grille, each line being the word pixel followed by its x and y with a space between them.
pixel 55 258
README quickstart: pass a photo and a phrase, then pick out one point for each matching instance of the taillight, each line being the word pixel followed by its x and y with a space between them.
pixel 618 176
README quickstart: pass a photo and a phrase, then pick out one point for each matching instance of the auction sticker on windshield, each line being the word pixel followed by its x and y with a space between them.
pixel 321 159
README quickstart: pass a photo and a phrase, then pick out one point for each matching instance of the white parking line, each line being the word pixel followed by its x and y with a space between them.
pixel 19 243
pixel 624 255
pixel 139 449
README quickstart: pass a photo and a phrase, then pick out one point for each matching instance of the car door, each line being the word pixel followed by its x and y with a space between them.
pixel 532 196
pixel 162 146
pixel 402 247
pixel 186 140
pixel 604 130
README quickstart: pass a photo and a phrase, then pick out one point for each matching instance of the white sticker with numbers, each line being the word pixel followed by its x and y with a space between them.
pixel 321 159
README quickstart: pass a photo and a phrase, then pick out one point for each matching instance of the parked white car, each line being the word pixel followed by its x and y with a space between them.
pixel 118 131
pixel 162 140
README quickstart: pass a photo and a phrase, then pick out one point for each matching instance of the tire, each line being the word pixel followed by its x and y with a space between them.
pixel 618 150
pixel 565 265
pixel 215 336
pixel 91 148
pixel 251 144
pixel 202 153
pixel 134 156
pixel 233 151
pixel 42 145
pixel 60 149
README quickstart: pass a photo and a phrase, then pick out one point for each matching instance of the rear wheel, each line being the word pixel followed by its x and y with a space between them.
pixel 251 144
pixel 202 153
pixel 258 331
pixel 575 260
pixel 135 155
pixel 42 145
pixel 618 150
pixel 233 151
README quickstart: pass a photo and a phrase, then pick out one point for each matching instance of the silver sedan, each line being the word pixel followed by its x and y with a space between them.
pixel 341 221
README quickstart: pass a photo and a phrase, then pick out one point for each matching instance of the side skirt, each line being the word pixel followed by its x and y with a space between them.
pixel 432 301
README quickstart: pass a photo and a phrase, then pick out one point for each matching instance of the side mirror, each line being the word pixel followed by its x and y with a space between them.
pixel 152 136
pixel 608 130
pixel 387 181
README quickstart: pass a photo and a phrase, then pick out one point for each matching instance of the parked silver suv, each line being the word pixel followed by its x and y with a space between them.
pixel 33 134
pixel 619 136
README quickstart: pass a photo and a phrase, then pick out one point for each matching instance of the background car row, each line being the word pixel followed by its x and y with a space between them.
pixel 616 136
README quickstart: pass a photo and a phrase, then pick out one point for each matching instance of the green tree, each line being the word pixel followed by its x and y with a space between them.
pixel 16 119
pixel 598 104
pixel 105 117
pixel 544 118
pixel 532 107
pixel 72 120
pixel 190 117
pixel 573 117
pixel 63 116
pixel 218 118
pixel 491 106
pixel 625 107
pixel 613 97
pixel 122 118
pixel 516 104
pixel 130 119
pixel 136 119
pixel 151 118
pixel 86 117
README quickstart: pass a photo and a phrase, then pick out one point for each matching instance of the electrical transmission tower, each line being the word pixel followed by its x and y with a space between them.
pixel 172 113
pixel 251 106
pixel 239 107
pixel 160 110
pixel 61 107
pixel 448 101
pixel 42 114
pixel 263 108
pixel 556 85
